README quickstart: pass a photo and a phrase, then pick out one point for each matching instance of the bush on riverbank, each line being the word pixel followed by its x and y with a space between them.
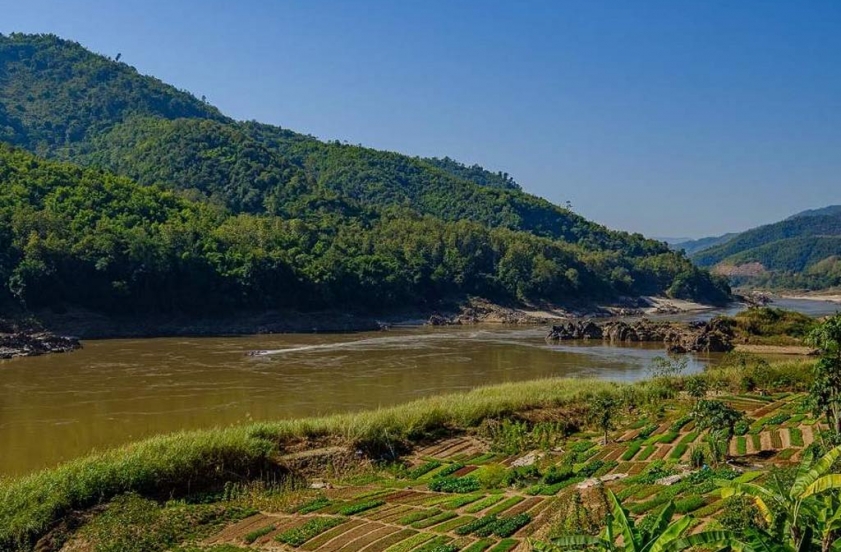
pixel 773 326
pixel 190 462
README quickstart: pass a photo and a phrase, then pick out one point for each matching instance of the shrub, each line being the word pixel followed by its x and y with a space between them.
pixel 521 476
pixel 491 476
pixel 740 515
pixel 556 474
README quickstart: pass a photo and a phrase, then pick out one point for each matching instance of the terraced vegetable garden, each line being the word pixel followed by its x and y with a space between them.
pixel 471 494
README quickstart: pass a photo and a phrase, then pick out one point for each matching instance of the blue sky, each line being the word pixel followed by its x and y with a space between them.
pixel 669 118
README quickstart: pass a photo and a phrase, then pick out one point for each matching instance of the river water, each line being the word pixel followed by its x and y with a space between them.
pixel 57 407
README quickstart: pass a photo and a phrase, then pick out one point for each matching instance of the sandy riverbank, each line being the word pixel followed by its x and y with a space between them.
pixel 832 297
pixel 797 350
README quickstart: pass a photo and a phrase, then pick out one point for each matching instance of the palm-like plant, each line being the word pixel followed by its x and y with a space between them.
pixel 805 510
pixel 622 535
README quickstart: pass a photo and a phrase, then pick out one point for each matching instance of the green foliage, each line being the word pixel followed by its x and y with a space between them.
pixel 433 520
pixel 312 528
pixel 513 437
pixel 314 505
pixel 826 389
pixel 603 410
pixel 474 173
pixel 438 544
pixel 484 504
pixel 467 484
pixel 449 469
pixel 689 504
pixel 56 94
pixel 257 533
pixel 769 321
pixel 716 416
pixel 493 525
pixel 633 448
pixel 134 524
pixel 626 534
pixel 354 509
pixel 422 469
pixel 800 508
pixel 410 543
pixel 740 515
pixel 796 436
pixel 697 457
pixel 521 476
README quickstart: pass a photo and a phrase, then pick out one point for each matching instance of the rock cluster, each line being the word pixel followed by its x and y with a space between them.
pixel 713 336
pixel 21 344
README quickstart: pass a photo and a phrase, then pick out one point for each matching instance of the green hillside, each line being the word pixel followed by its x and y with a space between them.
pixel 260 216
pixel 798 252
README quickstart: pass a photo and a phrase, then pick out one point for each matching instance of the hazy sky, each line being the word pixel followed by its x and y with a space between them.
pixel 669 118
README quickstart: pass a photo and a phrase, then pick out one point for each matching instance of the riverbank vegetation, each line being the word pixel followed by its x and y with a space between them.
pixel 772 326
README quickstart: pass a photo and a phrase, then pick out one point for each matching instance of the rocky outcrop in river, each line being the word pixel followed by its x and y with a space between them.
pixel 713 336
pixel 23 344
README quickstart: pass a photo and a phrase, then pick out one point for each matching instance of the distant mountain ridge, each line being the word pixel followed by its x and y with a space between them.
pixel 691 247
pixel 342 225
pixel 802 251
pixel 831 210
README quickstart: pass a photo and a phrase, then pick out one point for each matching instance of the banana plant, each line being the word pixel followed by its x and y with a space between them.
pixel 806 510
pixel 622 535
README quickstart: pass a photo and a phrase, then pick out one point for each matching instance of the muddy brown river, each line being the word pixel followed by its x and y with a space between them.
pixel 57 407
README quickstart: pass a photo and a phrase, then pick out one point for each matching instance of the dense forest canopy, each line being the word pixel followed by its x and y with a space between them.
pixel 157 201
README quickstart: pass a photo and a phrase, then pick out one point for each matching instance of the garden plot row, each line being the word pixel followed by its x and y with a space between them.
pixel 319 533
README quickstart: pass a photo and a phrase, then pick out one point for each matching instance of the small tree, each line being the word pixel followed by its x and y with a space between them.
pixel 826 390
pixel 603 408
pixel 697 387
pixel 720 419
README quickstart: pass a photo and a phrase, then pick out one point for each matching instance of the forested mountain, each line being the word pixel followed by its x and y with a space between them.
pixel 802 251
pixel 252 215
pixel 830 210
